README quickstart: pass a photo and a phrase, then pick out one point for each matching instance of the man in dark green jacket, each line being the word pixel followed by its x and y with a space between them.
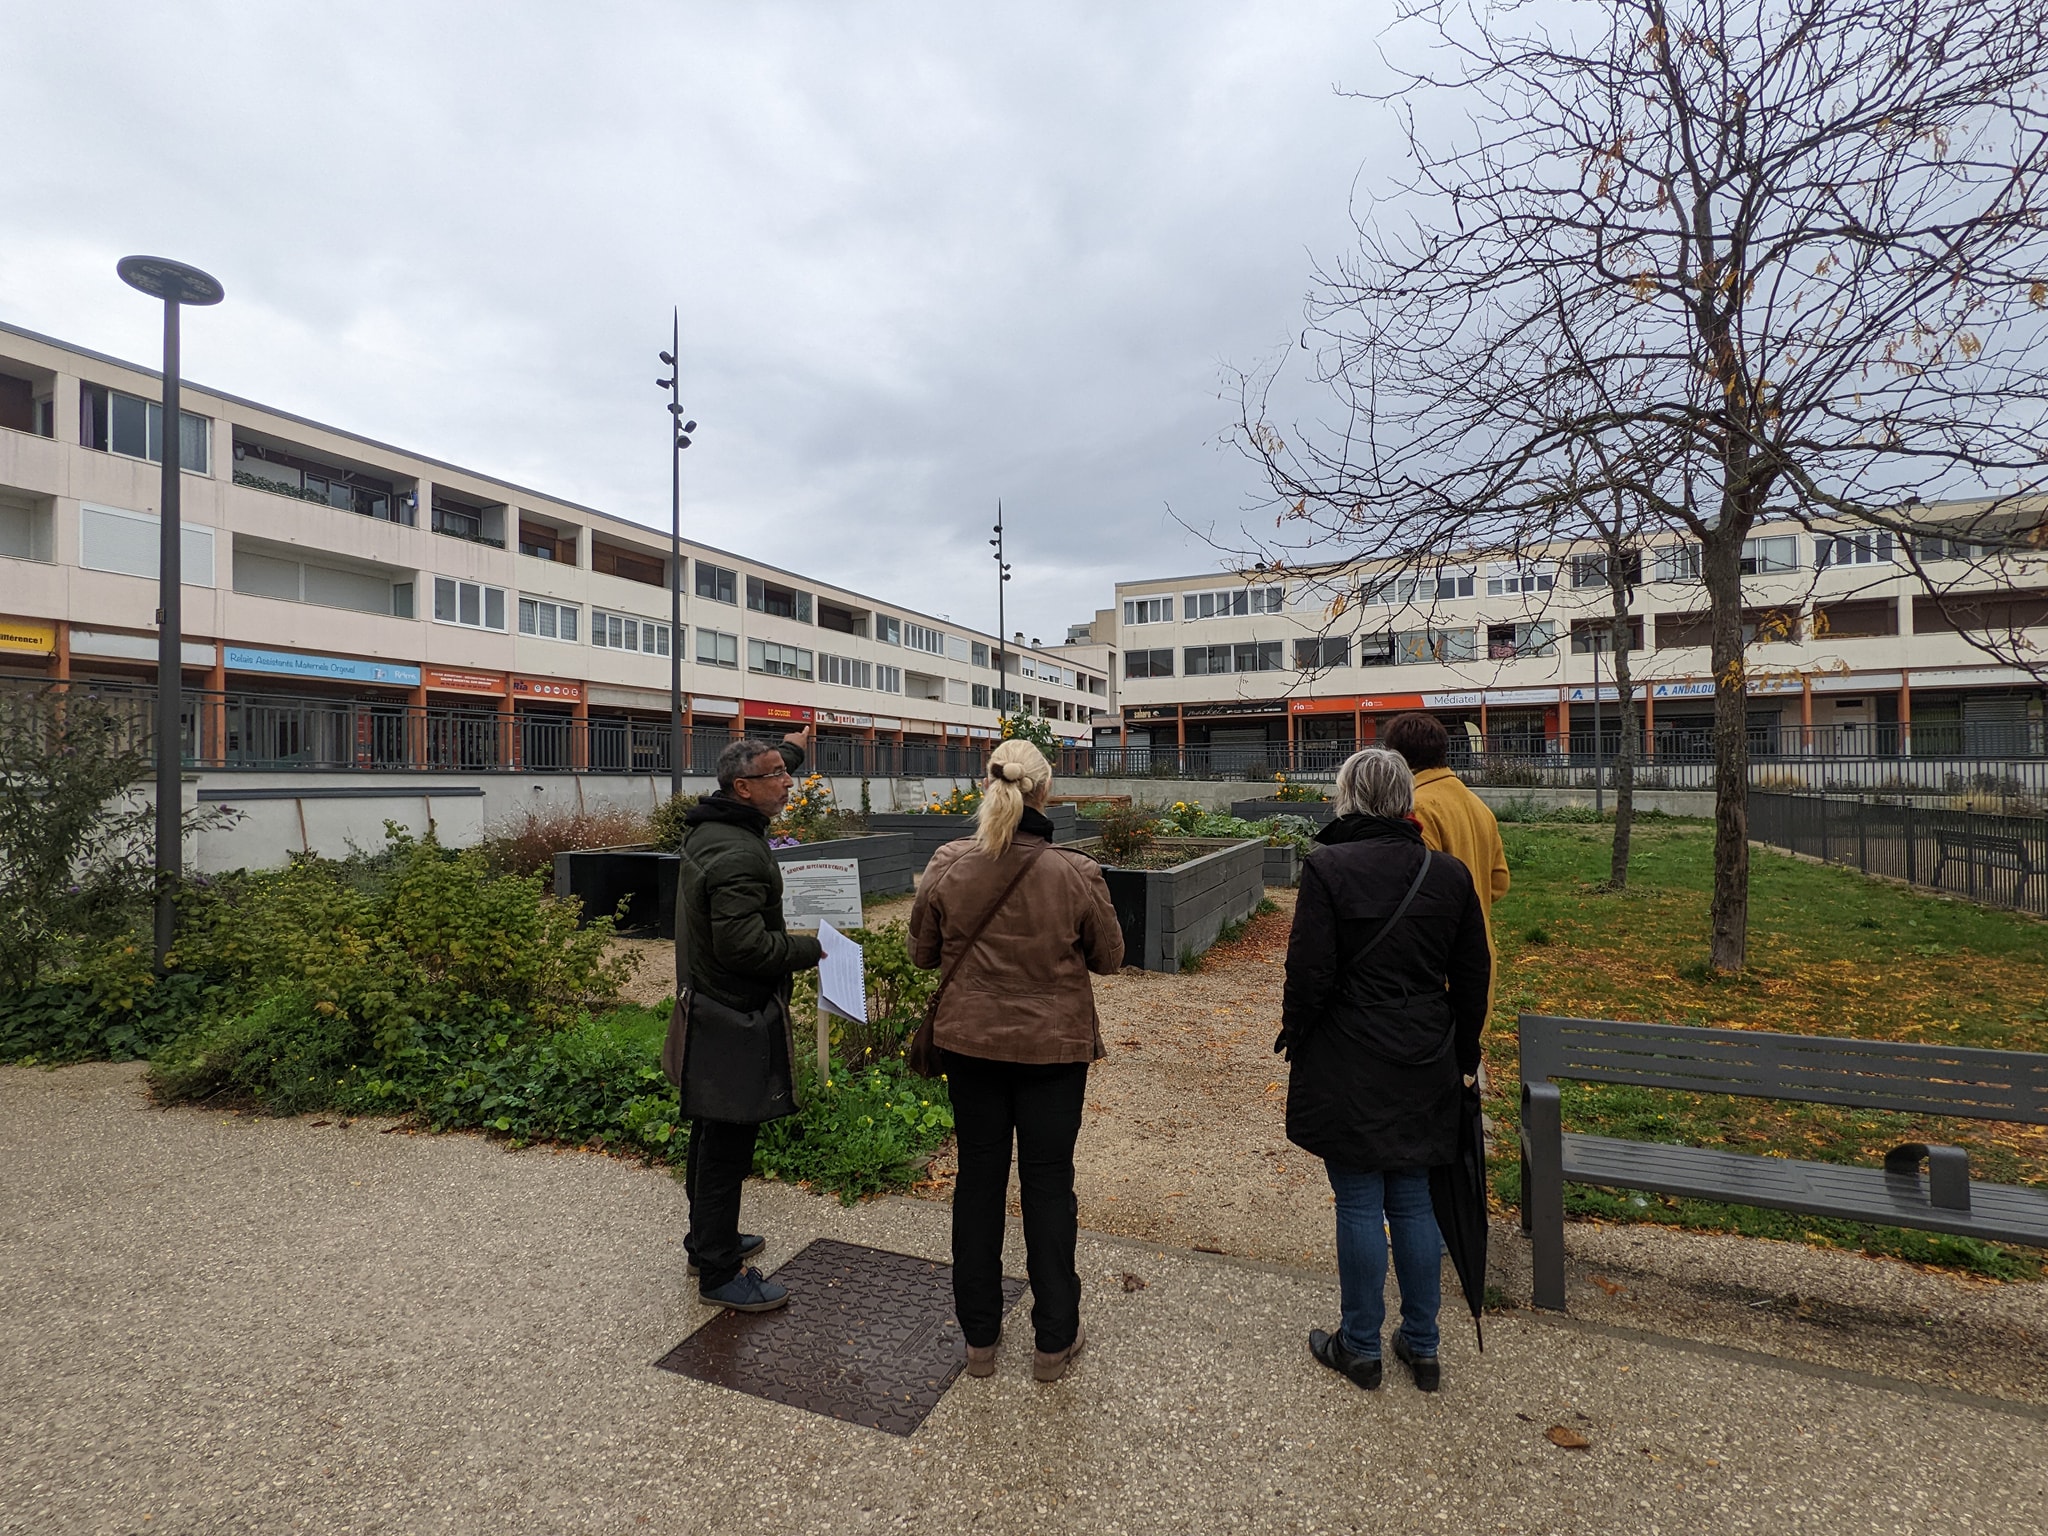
pixel 729 892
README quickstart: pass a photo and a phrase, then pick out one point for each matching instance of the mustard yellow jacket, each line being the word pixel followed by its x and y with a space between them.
pixel 1457 822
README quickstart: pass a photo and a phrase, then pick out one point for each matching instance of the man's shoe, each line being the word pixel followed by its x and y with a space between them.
pixel 981 1358
pixel 1428 1375
pixel 1360 1371
pixel 751 1243
pixel 747 1291
pixel 1045 1367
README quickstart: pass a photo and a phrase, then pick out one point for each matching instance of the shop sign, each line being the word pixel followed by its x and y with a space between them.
pixel 1858 682
pixel 449 681
pixel 796 712
pixel 242 658
pixel 20 635
pixel 839 717
pixel 1521 696
pixel 727 707
pixel 547 688
pixel 1453 700
pixel 1609 694
pixel 1705 690
pixel 1234 709
pixel 1391 701
pixel 882 724
pixel 1342 706
pixel 1150 712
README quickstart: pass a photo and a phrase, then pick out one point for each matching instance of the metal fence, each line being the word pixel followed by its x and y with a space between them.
pixel 1999 860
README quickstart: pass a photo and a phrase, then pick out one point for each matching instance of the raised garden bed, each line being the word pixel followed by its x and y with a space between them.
pixel 1283 864
pixel 645 878
pixel 1317 811
pixel 1169 916
pixel 929 833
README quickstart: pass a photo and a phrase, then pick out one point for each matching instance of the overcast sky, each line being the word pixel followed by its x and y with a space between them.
pixel 927 255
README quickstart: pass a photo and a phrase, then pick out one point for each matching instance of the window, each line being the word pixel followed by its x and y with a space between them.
pixel 887 630
pixel 1591 570
pixel 1506 580
pixel 628 632
pixel 133 427
pixel 1443 645
pixel 778 601
pixel 1848 620
pixel 774 660
pixel 846 672
pixel 1591 634
pixel 980 654
pixel 1851 549
pixel 469 604
pixel 1425 587
pixel 1376 650
pixel 981 696
pixel 840 619
pixel 715 649
pixel 546 543
pixel 1761 557
pixel 888 679
pixel 1931 549
pixel 643 566
pixel 1505 642
pixel 1148 663
pixel 1148 610
pixel 930 641
pixel 716 583
pixel 1231 603
pixel 1205 660
pixel 548 621
pixel 957 691
pixel 1328 651
pixel 1256 656
pixel 460 520
pixel 1678 562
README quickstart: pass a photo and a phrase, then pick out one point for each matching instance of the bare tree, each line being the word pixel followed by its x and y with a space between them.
pixel 1789 252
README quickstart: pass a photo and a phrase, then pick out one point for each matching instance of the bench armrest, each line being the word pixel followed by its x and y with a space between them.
pixel 1948 1172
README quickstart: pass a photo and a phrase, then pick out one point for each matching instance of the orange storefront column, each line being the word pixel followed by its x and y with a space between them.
pixel 511 751
pixel 214 735
pixel 579 731
pixel 1905 713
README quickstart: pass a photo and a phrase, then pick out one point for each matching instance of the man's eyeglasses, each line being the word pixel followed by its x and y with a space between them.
pixel 779 773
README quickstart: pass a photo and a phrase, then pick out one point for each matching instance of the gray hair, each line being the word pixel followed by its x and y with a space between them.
pixel 737 760
pixel 1375 782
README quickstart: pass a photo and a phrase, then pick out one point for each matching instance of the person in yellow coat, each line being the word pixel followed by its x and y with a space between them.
pixel 1454 820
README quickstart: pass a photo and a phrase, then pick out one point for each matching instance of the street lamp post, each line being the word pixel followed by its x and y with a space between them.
pixel 176 284
pixel 681 430
pixel 1002 628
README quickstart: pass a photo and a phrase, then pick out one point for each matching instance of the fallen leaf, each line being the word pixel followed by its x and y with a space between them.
pixel 318 1123
pixel 1567 1439
pixel 1611 1287
pixel 1133 1283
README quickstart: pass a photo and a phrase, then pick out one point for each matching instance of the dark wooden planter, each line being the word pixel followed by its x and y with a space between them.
pixel 1317 811
pixel 929 833
pixel 645 878
pixel 1168 916
pixel 1283 864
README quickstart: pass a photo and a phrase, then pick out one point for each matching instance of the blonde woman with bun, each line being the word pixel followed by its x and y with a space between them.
pixel 1015 926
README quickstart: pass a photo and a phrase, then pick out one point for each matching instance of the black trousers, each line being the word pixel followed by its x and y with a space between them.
pixel 721 1155
pixel 1040 1107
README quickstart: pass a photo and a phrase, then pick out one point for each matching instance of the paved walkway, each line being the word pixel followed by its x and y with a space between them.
pixel 217 1324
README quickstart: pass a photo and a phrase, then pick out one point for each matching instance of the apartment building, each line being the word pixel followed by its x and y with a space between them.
pixel 356 605
pixel 1848 653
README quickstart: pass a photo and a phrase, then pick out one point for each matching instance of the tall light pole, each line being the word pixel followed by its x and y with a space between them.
pixel 176 284
pixel 1002 626
pixel 681 430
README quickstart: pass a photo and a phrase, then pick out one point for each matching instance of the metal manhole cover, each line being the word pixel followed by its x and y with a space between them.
pixel 868 1337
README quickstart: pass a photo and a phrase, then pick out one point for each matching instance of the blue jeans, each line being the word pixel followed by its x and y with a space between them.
pixel 1368 1205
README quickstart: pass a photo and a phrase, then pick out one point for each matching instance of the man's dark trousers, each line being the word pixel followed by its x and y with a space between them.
pixel 1041 1107
pixel 721 1155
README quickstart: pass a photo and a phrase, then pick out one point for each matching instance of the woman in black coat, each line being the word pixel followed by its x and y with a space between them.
pixel 1387 976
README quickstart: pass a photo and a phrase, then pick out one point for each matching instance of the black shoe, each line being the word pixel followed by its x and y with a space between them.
pixel 1357 1369
pixel 1428 1376
pixel 751 1243
pixel 747 1291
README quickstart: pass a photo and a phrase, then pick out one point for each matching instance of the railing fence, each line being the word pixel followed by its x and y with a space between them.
pixel 1998 860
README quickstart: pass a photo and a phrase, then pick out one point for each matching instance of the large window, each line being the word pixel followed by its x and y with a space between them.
pixel 1150 663
pixel 133 427
pixel 1506 642
pixel 548 620
pixel 1148 610
pixel 773 660
pixel 628 632
pixel 1327 651
pixel 716 583
pixel 1678 562
pixel 1256 656
pixel 980 654
pixel 1422 645
pixel 918 638
pixel 468 603
pixel 778 601
pixel 838 617
pixel 717 649
pixel 887 630
pixel 888 679
pixel 1418 587
pixel 1591 570
pixel 981 695
pixel 1231 602
pixel 1852 549
pixel 1760 557
pixel 1510 578
pixel 846 671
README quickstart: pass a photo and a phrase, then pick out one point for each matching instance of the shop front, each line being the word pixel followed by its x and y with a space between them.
pixel 1246 737
pixel 292 709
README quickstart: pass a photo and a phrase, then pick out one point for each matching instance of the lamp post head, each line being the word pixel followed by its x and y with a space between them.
pixel 171 281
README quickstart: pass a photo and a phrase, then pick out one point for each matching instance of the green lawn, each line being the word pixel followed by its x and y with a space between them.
pixel 1831 953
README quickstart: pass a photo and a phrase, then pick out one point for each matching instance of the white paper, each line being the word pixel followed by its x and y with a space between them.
pixel 842 974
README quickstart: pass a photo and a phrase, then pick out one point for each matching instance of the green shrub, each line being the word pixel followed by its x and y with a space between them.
pixel 286 1054
pixel 898 991
pixel 1127 831
pixel 1036 731
pixel 860 1133
pixel 665 826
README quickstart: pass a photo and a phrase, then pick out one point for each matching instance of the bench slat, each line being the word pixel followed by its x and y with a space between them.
pixel 1998 1212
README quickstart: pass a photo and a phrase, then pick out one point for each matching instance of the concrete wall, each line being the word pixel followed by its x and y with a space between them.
pixel 1218 795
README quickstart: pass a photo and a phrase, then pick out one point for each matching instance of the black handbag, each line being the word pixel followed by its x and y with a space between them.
pixel 724 1060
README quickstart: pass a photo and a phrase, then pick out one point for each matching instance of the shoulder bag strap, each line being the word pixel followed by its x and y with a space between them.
pixel 1399 912
pixel 946 977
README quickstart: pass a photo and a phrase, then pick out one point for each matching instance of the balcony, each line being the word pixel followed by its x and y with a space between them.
pixel 644 566
pixel 282 470
pixel 469 521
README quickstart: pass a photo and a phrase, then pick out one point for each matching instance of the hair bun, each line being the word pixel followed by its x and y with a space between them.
pixel 1013 771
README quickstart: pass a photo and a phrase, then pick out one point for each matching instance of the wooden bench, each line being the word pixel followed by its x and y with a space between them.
pixel 1812 1069
pixel 2006 855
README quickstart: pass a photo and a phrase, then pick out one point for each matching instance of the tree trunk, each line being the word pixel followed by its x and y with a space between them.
pixel 1721 566
pixel 1625 703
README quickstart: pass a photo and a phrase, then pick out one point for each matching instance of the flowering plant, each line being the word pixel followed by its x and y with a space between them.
pixel 812 815
pixel 1296 792
pixel 963 801
pixel 1036 731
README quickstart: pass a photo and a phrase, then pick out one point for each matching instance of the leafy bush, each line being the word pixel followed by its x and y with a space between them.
pixel 1192 820
pixel 898 990
pixel 1036 731
pixel 665 827
pixel 528 846
pixel 813 815
pixel 1127 831
pixel 859 1133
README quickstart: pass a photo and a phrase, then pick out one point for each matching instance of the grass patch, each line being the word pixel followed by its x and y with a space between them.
pixel 1831 953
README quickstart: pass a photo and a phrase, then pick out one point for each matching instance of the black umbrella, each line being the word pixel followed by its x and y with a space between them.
pixel 1457 1192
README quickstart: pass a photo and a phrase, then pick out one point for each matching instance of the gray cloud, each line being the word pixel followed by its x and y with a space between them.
pixel 927 255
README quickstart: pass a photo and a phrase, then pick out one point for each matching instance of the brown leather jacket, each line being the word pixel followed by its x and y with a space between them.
pixel 1023 994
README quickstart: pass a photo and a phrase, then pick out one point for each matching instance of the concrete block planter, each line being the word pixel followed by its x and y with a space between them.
pixel 1283 864
pixel 645 878
pixel 1172 915
pixel 1317 811
pixel 929 833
